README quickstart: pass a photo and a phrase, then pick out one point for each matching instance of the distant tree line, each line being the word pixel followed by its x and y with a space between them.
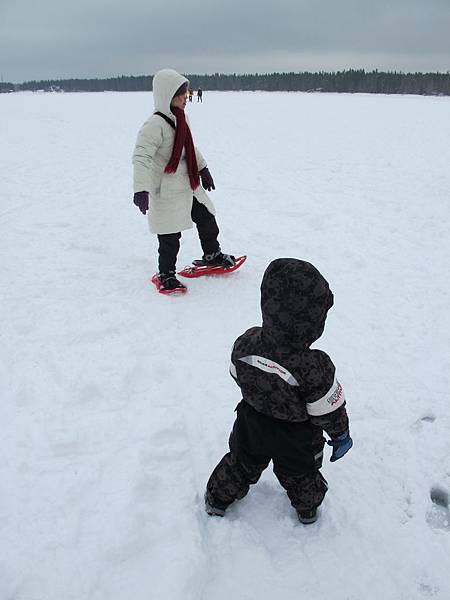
pixel 7 87
pixel 350 81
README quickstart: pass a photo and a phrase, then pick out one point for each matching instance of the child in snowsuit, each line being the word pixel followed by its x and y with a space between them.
pixel 167 173
pixel 290 395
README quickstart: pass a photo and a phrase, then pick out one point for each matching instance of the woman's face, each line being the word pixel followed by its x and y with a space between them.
pixel 179 101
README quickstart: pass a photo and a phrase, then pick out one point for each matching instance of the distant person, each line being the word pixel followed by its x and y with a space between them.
pixel 191 93
pixel 168 169
pixel 199 95
pixel 290 395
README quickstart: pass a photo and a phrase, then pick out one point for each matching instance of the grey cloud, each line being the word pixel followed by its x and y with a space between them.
pixel 104 38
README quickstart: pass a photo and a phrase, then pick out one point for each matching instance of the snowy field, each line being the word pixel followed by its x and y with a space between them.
pixel 117 403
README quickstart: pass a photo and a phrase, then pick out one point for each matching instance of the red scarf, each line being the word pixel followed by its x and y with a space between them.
pixel 183 137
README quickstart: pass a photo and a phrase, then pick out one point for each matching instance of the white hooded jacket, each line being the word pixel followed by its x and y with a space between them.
pixel 171 195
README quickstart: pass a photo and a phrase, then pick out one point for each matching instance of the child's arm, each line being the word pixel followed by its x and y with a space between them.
pixel 233 372
pixel 337 427
pixel 205 175
pixel 148 141
pixel 334 423
pixel 201 162
pixel 325 405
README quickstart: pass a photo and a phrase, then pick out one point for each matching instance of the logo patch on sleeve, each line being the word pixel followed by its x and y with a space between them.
pixel 332 400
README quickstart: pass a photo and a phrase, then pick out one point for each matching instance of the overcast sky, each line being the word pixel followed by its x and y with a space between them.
pixel 51 39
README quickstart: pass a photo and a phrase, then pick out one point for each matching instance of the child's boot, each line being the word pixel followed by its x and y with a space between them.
pixel 307 516
pixel 214 511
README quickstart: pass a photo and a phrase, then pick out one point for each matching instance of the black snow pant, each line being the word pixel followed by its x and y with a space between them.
pixel 296 450
pixel 208 232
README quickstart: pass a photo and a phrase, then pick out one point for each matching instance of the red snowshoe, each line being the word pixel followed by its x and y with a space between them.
pixel 168 284
pixel 202 267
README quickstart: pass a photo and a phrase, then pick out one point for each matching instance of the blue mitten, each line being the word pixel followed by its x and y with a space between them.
pixel 341 445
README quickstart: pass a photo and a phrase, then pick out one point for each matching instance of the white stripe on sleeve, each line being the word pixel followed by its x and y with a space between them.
pixel 233 370
pixel 332 400
pixel 270 366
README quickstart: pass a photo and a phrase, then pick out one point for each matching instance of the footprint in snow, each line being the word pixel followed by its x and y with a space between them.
pixel 438 517
pixel 426 419
pixel 427 589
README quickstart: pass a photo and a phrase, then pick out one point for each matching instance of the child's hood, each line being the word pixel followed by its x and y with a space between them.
pixel 295 299
pixel 165 83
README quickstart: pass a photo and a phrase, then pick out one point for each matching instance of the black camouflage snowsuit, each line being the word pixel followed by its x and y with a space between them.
pixel 290 392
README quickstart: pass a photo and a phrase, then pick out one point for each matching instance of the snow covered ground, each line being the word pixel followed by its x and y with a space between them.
pixel 117 403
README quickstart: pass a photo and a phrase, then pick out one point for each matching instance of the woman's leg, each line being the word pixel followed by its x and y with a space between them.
pixel 169 245
pixel 206 223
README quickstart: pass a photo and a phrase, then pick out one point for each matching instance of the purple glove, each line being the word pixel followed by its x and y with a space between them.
pixel 141 201
pixel 207 180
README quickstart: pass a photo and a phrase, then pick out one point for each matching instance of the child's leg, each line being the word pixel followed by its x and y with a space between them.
pixel 297 469
pixel 208 230
pixel 169 245
pixel 306 492
pixel 231 480
pixel 240 467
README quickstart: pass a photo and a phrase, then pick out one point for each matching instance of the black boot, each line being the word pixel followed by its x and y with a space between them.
pixel 211 509
pixel 219 259
pixel 307 516
pixel 169 282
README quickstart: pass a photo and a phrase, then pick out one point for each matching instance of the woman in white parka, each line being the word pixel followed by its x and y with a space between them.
pixel 167 172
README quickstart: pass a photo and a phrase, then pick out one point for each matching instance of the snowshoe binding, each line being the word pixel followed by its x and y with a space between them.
pixel 216 259
pixel 167 283
pixel 217 263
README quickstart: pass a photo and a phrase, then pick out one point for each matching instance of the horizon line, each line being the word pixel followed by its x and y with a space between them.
pixel 236 74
